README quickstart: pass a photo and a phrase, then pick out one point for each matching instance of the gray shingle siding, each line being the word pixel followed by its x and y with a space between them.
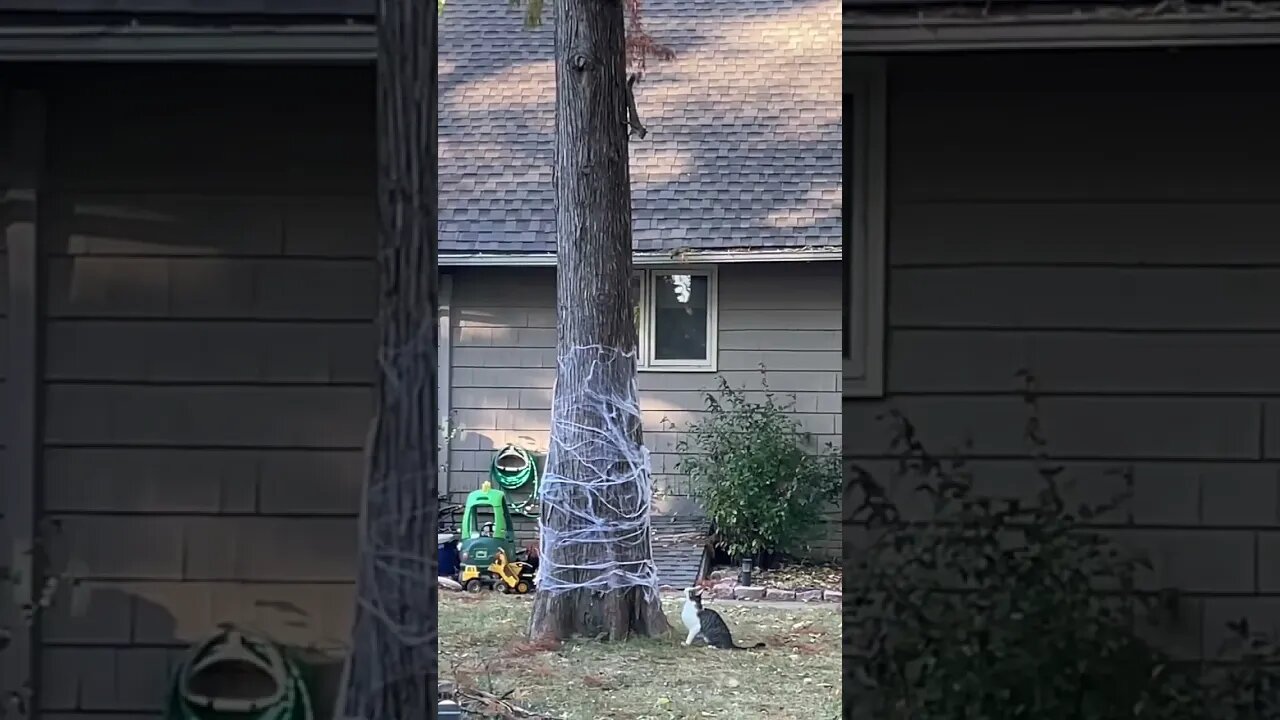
pixel 208 362
pixel 745 128
pixel 784 315
pixel 1107 221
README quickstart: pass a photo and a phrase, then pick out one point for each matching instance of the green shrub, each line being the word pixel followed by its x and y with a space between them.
pixel 762 479
pixel 997 608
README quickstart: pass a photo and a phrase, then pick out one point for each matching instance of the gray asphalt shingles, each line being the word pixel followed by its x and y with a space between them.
pixel 678 545
pixel 744 123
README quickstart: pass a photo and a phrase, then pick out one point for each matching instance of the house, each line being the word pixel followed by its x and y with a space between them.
pixel 736 205
pixel 188 284
pixel 187 289
pixel 1086 191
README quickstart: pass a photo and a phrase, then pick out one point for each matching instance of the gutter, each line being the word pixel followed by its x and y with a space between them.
pixel 710 257
pixel 871 32
pixel 864 32
pixel 349 43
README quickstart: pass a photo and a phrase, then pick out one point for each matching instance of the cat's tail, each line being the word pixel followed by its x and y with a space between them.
pixel 748 647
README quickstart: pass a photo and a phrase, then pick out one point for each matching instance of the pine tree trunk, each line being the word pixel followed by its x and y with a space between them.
pixel 393 651
pixel 596 322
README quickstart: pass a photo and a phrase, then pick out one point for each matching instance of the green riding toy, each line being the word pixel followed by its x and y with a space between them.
pixel 489 549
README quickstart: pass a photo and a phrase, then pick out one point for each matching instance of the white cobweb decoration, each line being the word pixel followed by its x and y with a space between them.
pixel 601 540
pixel 392 663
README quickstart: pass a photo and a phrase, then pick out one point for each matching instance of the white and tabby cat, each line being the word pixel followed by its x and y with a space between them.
pixel 707 624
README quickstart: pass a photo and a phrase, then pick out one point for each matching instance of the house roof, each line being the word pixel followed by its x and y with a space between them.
pixel 743 150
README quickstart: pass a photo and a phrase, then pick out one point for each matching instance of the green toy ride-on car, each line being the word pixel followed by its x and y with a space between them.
pixel 490 556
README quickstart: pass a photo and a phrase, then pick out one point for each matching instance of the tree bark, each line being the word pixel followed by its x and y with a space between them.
pixel 596 321
pixel 392 667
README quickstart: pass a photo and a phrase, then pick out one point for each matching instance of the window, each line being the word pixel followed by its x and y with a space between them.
pixel 864 226
pixel 676 319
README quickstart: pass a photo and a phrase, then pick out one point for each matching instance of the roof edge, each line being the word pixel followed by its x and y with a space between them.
pixel 168 43
pixel 358 8
pixel 1144 25
pixel 692 257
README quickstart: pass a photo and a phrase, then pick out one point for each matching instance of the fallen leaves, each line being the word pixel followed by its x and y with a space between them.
pixel 802 577
pixel 532 647
pixel 482 643
pixel 599 682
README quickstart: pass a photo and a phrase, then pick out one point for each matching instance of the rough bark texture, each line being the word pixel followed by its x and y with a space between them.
pixel 593 298
pixel 392 669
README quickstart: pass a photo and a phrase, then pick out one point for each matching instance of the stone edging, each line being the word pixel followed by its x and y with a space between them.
pixel 733 591
pixel 729 591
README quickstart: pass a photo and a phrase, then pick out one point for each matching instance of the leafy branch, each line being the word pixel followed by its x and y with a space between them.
pixel 762 479
pixel 985 607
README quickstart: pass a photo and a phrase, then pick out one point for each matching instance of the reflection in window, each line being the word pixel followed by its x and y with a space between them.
pixel 637 301
pixel 680 321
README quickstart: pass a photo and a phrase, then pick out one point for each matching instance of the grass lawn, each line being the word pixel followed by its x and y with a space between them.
pixel 482 646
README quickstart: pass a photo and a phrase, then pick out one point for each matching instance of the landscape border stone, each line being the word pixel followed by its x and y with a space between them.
pixel 732 591
pixel 729 590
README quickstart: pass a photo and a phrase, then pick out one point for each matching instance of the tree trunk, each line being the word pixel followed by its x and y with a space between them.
pixel 393 652
pixel 596 574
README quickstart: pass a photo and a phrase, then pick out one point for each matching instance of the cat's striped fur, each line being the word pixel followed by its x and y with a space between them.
pixel 707 625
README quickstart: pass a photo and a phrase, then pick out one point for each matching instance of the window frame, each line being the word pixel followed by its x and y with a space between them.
pixel 645 360
pixel 864 230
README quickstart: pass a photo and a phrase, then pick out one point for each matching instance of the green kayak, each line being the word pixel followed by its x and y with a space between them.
pixel 236 675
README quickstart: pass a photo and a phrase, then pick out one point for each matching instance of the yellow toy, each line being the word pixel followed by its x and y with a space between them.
pixel 509 577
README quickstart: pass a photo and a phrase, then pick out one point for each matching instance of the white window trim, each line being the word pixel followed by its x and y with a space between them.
pixel 864 257
pixel 645 332
pixel 444 384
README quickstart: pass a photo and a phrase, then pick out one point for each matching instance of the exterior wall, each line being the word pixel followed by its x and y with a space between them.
pixel 785 316
pixel 4 391
pixel 209 244
pixel 1107 222
pixel 208 366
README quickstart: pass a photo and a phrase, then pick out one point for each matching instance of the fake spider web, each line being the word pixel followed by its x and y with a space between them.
pixel 596 493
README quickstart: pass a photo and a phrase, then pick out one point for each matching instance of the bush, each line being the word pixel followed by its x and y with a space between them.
pixel 1011 609
pixel 763 481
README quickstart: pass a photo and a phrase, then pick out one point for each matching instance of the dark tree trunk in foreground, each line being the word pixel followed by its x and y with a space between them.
pixel 391 671
pixel 594 433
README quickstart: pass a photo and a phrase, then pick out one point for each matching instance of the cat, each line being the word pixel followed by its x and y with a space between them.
pixel 707 624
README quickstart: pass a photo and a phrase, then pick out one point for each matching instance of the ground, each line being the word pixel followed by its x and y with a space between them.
pixel 801 576
pixel 789 577
pixel 482 647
